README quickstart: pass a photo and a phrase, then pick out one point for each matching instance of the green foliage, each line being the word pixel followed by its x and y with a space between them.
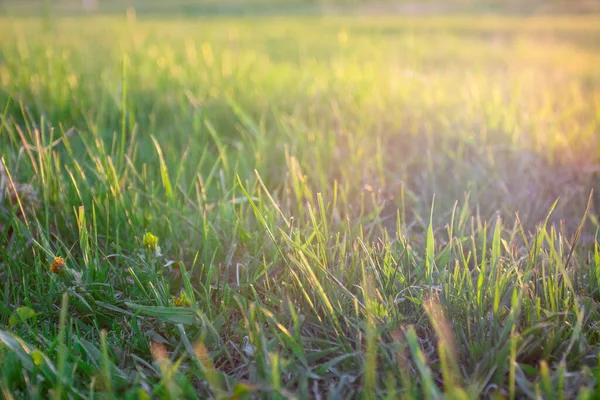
pixel 243 207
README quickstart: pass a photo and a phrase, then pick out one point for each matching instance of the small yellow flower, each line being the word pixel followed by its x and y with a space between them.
pixel 150 241
pixel 57 266
pixel 181 301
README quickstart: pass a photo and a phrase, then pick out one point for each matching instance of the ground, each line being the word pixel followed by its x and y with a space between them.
pixel 306 206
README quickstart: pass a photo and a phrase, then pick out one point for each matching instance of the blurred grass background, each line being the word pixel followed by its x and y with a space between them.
pixel 504 106
pixel 262 7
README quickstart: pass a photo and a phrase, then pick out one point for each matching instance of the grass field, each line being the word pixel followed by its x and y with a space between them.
pixel 299 207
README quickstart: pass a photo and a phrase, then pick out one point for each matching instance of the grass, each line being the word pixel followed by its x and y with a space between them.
pixel 299 207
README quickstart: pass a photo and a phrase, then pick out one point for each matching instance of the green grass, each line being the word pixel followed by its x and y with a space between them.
pixel 300 207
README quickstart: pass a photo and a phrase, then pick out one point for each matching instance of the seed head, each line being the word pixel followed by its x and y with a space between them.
pixel 57 266
pixel 158 350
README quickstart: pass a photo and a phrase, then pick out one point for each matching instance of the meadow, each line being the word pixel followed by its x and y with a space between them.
pixel 309 206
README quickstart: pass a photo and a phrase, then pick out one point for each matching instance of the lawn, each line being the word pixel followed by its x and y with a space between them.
pixel 299 207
